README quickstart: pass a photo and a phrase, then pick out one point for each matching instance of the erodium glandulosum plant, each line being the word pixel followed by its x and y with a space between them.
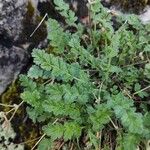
pixel 90 87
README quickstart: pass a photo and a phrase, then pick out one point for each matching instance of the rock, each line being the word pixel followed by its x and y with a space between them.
pixel 12 61
pixel 145 16
pixel 11 16
pixel 18 19
pixel 12 57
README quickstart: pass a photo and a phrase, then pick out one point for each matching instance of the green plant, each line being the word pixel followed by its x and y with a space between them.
pixel 94 82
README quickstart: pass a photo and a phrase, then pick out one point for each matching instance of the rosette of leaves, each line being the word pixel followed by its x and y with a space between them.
pixel 94 83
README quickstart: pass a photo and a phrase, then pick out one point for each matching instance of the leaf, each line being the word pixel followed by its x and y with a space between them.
pixel 68 131
pixel 71 130
pixel 147 70
pixel 93 139
pixel 127 141
pixel 137 87
pixel 115 69
pixel 45 144
pixel 54 131
pixel 130 141
pixel 58 38
pixel 147 120
pixel 27 83
pixel 31 97
pixel 65 12
pixel 147 48
pixel 35 72
pixel 61 108
pixel 124 110
pixel 84 56
pixel 76 93
pixel 58 67
pixel 100 117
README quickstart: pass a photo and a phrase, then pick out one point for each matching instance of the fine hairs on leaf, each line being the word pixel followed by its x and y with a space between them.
pixel 92 90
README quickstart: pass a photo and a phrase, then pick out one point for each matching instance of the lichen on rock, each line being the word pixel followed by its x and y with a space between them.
pixel 7 135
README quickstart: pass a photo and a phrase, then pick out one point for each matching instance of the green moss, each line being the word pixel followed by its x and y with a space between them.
pixel 10 96
pixel 30 9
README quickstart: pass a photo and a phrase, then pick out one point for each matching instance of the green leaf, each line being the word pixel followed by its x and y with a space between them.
pixel 71 130
pixel 65 11
pixel 54 131
pixel 27 83
pixel 62 108
pixel 147 120
pixel 76 93
pixel 147 70
pixel 137 87
pixel 45 144
pixel 100 117
pixel 130 141
pixel 58 38
pixel 58 67
pixel 147 48
pixel 31 97
pixel 127 141
pixel 124 110
pixel 35 72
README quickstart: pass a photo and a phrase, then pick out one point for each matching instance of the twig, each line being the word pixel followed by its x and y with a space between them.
pixel 138 63
pixel 142 90
pixel 16 108
pixel 5 105
pixel 115 126
pixel 9 111
pixel 61 145
pixel 98 135
pixel 39 24
pixel 71 146
pixel 42 137
pixel 29 141
pixel 38 141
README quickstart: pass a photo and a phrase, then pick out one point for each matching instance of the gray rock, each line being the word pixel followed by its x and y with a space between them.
pixel 11 16
pixel 12 58
pixel 12 62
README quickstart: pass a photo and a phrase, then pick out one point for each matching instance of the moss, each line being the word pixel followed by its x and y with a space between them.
pixel 10 96
pixel 30 9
